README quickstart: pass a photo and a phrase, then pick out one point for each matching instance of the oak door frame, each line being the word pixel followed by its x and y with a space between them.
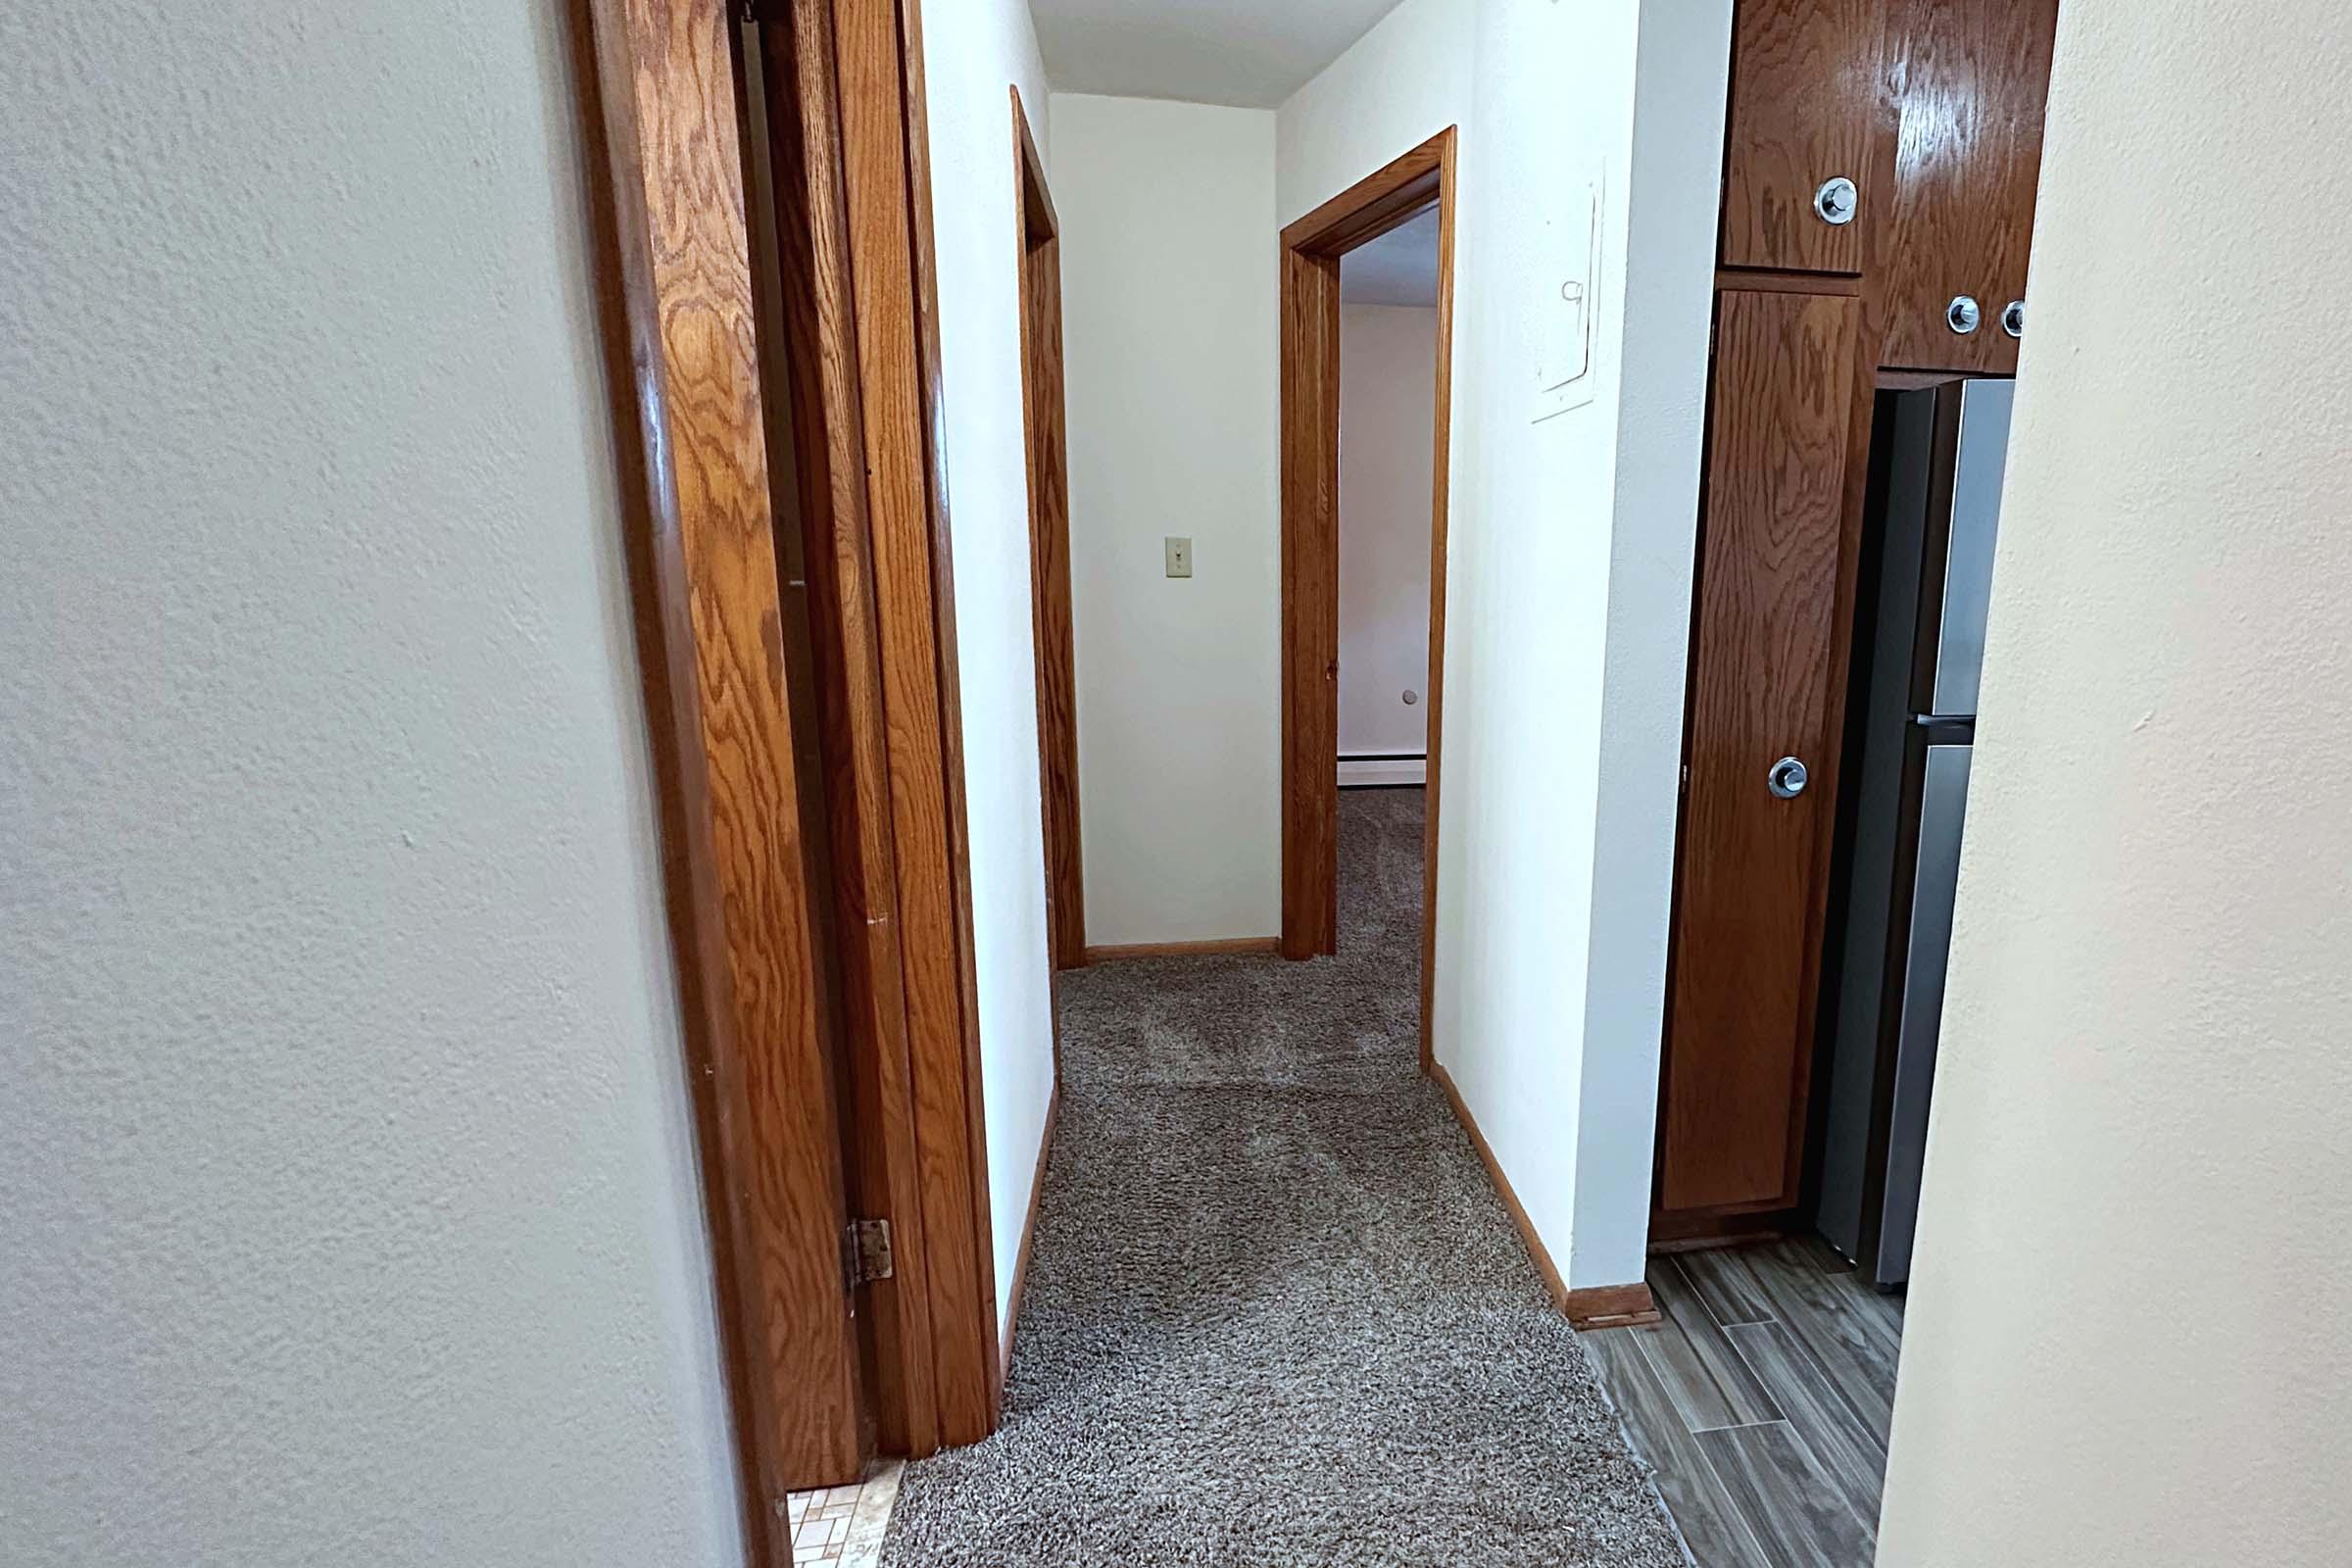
pixel 1046 445
pixel 1311 248
pixel 664 83
pixel 678 308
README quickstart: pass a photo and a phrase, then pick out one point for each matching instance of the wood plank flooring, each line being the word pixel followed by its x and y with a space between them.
pixel 1762 1400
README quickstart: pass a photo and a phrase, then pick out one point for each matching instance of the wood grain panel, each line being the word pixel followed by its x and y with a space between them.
pixel 885 160
pixel 1044 424
pixel 672 115
pixel 829 471
pixel 1763 685
pixel 1310 604
pixel 1970 79
pixel 1805 108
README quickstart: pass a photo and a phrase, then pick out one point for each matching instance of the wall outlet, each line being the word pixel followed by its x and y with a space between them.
pixel 1179 557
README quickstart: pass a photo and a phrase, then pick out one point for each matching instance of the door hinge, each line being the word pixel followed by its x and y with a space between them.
pixel 865 1251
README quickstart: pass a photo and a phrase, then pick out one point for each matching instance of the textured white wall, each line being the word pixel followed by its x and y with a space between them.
pixel 1569 552
pixel 2131 1321
pixel 1170 334
pixel 973 52
pixel 1387 435
pixel 351 1203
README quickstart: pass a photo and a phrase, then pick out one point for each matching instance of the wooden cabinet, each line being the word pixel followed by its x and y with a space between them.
pixel 1763 671
pixel 1969 78
pixel 1805 92
pixel 1934 109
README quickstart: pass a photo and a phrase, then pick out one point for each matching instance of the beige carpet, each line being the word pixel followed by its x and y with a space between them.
pixel 1276 1314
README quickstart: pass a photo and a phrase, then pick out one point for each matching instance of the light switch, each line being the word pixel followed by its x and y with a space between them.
pixel 1179 557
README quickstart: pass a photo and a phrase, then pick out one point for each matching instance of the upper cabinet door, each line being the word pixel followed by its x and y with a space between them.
pixel 1806 88
pixel 1969 78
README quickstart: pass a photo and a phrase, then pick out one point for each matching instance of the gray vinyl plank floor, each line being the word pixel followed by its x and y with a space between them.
pixel 1761 1403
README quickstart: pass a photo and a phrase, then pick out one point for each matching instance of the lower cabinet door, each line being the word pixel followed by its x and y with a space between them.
pixel 1761 788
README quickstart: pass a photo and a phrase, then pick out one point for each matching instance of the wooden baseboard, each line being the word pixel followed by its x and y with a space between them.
pixel 1602 1307
pixel 1611 1306
pixel 1020 1261
pixel 1715 1227
pixel 1184 950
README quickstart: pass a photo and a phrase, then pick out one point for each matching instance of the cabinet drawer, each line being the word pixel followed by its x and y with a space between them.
pixel 1805 105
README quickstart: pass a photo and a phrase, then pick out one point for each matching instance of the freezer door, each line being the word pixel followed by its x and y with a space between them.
pixel 1977 469
pixel 1942 809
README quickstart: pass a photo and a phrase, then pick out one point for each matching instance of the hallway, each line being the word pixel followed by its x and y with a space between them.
pixel 1276 1313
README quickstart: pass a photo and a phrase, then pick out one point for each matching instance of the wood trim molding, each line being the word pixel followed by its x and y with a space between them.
pixel 1020 1262
pixel 885 147
pixel 1218 947
pixel 1312 249
pixel 744 910
pixel 1594 1306
pixel 1440 525
pixel 830 493
pixel 1046 445
pixel 1612 1306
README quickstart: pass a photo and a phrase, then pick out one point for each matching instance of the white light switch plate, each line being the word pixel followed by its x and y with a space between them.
pixel 1179 557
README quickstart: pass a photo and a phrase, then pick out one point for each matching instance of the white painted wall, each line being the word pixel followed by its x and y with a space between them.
pixel 973 54
pixel 1388 413
pixel 351 1207
pixel 1680 88
pixel 1569 553
pixel 1170 335
pixel 2130 1334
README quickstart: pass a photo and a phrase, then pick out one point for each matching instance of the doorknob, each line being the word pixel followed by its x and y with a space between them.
pixel 1786 778
pixel 1835 203
pixel 1963 313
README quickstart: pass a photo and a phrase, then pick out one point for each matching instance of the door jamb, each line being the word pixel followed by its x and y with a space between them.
pixel 660 86
pixel 1045 430
pixel 1312 249
pixel 677 304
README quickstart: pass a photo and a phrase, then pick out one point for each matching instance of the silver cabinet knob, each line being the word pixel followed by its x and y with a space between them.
pixel 2013 320
pixel 1963 313
pixel 1786 778
pixel 1836 201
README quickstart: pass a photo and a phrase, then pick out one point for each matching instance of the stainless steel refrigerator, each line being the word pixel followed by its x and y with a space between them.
pixel 1940 498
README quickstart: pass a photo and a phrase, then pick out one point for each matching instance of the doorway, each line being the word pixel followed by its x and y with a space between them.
pixel 1313 321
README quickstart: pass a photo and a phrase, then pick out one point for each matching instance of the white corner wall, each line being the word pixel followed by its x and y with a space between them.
pixel 2130 1322
pixel 1170 338
pixel 973 54
pixel 1569 554
pixel 1388 413
pixel 352 1209
pixel 1682 87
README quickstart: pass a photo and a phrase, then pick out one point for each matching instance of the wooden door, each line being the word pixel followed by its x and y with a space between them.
pixel 1805 96
pixel 1051 622
pixel 1763 675
pixel 1970 80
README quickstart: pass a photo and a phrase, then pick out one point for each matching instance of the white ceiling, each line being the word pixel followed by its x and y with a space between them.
pixel 1400 268
pixel 1249 53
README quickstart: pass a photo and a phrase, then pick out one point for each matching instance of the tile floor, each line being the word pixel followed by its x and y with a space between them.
pixel 1762 1400
pixel 844 1525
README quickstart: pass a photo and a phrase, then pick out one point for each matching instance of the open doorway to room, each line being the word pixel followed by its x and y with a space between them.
pixel 1388 412
pixel 1352 597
